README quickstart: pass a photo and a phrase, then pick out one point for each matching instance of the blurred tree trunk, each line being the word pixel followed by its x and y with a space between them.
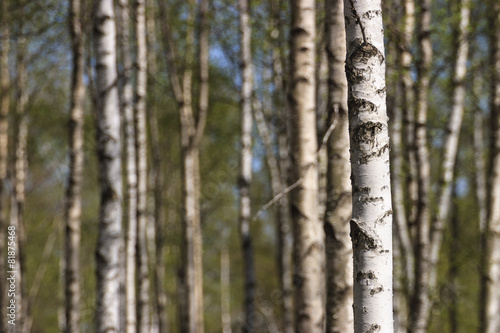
pixel 126 104
pixel 20 169
pixel 191 135
pixel 420 303
pixel 4 143
pixel 309 251
pixel 143 308
pixel 73 192
pixel 339 314
pixel 245 179
pixel 109 153
pixel 225 283
pixel 491 282
pixel 450 148
pixel 158 179
pixel 371 224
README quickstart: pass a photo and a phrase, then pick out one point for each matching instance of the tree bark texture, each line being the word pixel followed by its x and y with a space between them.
pixel 339 283
pixel 309 251
pixel 245 178
pixel 126 104
pixel 109 153
pixel 73 192
pixel 143 308
pixel 371 223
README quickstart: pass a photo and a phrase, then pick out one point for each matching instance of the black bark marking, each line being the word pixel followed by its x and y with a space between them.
pixel 371 14
pixel 366 132
pixel 369 199
pixel 374 328
pixel 363 239
pixel 357 105
pixel 362 275
pixel 376 290
pixel 363 190
pixel 364 159
pixel 380 219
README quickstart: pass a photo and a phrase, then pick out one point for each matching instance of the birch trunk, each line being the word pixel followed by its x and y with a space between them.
pixel 73 192
pixel 225 291
pixel 451 141
pixel 371 224
pixel 309 252
pixel 4 139
pixel 143 309
pixel 245 179
pixel 158 179
pixel 109 152
pixel 20 178
pixel 339 314
pixel 491 320
pixel 126 103
pixel 420 303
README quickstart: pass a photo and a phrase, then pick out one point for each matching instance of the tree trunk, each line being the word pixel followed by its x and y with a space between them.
pixel 246 164
pixel 451 140
pixel 158 179
pixel 143 308
pixel 126 103
pixel 109 153
pixel 225 283
pixel 339 314
pixel 371 224
pixel 420 303
pixel 4 139
pixel 73 192
pixel 490 318
pixel 309 251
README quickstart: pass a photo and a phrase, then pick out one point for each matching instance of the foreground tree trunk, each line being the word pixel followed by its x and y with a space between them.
pixel 246 163
pixel 371 224
pixel 309 255
pixel 339 314
pixel 73 192
pixel 109 153
pixel 490 318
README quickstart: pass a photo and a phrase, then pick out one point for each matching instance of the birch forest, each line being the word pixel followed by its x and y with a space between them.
pixel 281 166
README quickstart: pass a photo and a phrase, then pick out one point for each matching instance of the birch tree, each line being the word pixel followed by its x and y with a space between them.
pixel 490 320
pixel 309 255
pixel 73 191
pixel 142 172
pixel 339 314
pixel 371 223
pixel 4 139
pixel 246 162
pixel 109 153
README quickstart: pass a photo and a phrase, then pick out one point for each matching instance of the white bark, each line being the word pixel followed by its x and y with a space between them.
pixel 143 309
pixel 246 163
pixel 109 152
pixel 371 224
pixel 309 255
pixel 491 320
pixel 451 141
pixel 73 192
pixel 339 284
pixel 126 103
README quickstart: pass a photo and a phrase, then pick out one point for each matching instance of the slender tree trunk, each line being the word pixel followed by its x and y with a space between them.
pixel 490 318
pixel 245 179
pixel 451 140
pixel 109 153
pixel 73 192
pixel 339 314
pixel 309 251
pixel 156 150
pixel 126 103
pixel 21 165
pixel 225 283
pixel 4 138
pixel 143 308
pixel 371 224
pixel 420 303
